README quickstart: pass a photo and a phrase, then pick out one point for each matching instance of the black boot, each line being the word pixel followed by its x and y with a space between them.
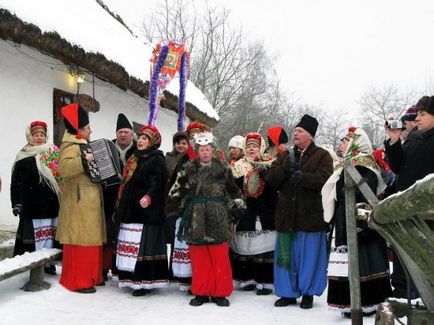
pixel 50 269
pixel 220 301
pixel 306 302
pixel 199 301
pixel 249 287
pixel 264 292
pixel 283 302
pixel 86 290
pixel 140 292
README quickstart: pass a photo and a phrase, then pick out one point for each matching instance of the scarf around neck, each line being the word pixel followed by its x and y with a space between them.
pixel 47 160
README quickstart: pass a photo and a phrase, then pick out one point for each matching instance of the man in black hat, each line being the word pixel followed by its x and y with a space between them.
pixel 126 145
pixel 124 139
pixel 300 263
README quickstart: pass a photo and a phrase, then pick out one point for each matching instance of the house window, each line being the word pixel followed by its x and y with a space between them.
pixel 60 99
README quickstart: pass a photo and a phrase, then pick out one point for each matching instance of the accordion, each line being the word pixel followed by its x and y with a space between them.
pixel 105 168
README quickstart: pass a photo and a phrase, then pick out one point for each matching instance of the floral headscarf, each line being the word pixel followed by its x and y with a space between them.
pixel 47 160
pixel 359 151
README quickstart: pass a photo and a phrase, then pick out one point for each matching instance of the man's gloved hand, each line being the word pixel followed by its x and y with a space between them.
pixel 296 177
pixel 288 163
pixel 17 209
pixel 237 214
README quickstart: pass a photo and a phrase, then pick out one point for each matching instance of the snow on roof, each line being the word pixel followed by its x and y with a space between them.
pixel 86 24
pixel 194 96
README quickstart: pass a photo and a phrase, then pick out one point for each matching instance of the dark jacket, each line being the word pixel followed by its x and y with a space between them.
pixel 149 178
pixel 415 162
pixel 174 164
pixel 38 200
pixel 110 194
pixel 366 234
pixel 263 206
pixel 300 207
pixel 203 196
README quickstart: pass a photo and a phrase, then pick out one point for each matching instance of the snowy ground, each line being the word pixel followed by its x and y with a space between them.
pixel 112 305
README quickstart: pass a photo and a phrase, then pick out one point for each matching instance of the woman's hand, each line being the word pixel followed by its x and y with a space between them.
pixel 89 157
pixel 145 201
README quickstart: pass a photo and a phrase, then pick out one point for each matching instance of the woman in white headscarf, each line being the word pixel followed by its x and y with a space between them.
pixel 373 261
pixel 35 192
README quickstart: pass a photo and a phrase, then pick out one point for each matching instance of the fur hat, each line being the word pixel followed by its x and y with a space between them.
pixel 236 142
pixel 75 117
pixel 152 134
pixel 38 126
pixel 196 127
pixel 308 123
pixel 276 135
pixel 426 103
pixel 203 139
pixel 178 136
pixel 123 123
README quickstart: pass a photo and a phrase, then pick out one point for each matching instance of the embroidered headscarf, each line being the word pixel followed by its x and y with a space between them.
pixel 242 166
pixel 359 151
pixel 46 156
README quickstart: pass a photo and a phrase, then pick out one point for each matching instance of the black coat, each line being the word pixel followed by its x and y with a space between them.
pixel 413 163
pixel 149 178
pixel 300 206
pixel 263 206
pixel 366 234
pixel 39 201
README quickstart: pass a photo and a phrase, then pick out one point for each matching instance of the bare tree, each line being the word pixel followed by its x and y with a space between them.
pixel 174 19
pixel 333 127
pixel 379 104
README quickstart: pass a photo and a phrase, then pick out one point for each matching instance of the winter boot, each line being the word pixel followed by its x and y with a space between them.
pixel 220 301
pixel 86 290
pixel 283 302
pixel 249 287
pixel 264 292
pixel 306 302
pixel 199 301
pixel 140 292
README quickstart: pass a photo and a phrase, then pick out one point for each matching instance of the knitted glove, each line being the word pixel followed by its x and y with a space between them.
pixel 296 177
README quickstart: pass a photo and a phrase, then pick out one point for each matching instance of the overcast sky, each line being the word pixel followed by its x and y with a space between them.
pixel 329 52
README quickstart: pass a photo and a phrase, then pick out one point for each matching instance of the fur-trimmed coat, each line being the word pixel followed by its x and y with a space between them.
pixel 81 216
pixel 300 206
pixel 206 222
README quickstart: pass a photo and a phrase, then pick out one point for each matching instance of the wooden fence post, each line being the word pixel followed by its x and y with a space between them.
pixel 353 250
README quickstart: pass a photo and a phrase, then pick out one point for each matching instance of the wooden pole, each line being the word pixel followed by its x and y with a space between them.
pixel 353 250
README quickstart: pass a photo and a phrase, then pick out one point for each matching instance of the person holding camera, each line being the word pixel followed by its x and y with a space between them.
pixel 410 133
pixel 411 163
pixel 300 260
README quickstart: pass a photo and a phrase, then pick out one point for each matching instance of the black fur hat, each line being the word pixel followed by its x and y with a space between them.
pixel 309 123
pixel 123 123
pixel 426 103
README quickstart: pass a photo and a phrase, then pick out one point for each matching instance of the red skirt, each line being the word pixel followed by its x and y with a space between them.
pixel 81 267
pixel 211 270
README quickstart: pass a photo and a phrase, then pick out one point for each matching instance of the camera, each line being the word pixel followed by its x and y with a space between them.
pixel 394 124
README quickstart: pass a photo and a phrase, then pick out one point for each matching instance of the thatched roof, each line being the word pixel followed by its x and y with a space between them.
pixel 51 43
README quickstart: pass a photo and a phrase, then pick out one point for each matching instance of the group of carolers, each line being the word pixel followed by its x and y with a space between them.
pixel 256 220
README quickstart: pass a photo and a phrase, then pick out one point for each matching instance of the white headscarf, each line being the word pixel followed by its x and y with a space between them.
pixel 359 151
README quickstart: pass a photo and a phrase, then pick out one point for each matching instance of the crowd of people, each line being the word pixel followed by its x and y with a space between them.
pixel 270 217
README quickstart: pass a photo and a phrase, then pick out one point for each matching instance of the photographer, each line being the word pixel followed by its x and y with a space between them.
pixel 411 133
pixel 411 163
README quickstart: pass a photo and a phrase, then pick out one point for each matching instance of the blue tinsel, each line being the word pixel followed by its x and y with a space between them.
pixel 182 86
pixel 153 92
